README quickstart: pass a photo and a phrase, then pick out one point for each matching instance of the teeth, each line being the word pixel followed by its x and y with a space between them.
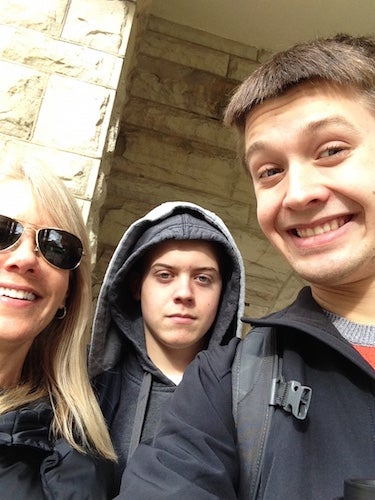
pixel 17 294
pixel 325 228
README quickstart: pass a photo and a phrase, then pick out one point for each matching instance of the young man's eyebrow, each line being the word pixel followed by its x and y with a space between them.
pixel 317 125
pixel 311 127
pixel 254 148
pixel 198 268
pixel 162 264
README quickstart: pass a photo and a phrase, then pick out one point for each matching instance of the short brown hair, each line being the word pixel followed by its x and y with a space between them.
pixel 343 60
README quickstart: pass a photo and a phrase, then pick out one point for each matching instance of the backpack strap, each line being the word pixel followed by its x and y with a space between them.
pixel 258 386
pixel 140 413
pixel 254 368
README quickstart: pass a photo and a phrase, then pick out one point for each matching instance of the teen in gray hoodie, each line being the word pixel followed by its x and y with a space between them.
pixel 130 382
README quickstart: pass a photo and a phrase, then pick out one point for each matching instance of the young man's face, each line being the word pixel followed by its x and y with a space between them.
pixel 311 155
pixel 180 292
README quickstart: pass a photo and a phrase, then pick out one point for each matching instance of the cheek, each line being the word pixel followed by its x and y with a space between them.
pixel 263 217
pixel 150 300
pixel 212 305
pixel 61 285
pixel 268 209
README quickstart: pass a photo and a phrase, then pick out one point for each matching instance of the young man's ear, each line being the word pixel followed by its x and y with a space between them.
pixel 135 284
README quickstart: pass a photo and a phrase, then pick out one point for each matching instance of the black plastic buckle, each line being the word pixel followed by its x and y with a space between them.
pixel 291 396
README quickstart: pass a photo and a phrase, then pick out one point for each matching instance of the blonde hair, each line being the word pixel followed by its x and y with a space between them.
pixel 56 364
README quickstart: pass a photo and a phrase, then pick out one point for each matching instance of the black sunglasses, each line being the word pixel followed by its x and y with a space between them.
pixel 59 248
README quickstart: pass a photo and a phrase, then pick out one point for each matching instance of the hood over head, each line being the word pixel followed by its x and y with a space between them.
pixel 118 321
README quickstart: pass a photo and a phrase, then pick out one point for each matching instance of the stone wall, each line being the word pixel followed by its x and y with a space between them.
pixel 63 66
pixel 72 70
pixel 173 146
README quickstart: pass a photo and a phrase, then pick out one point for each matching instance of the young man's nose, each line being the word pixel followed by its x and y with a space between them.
pixel 184 288
pixel 304 186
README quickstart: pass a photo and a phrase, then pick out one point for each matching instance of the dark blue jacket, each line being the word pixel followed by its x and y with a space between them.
pixel 194 456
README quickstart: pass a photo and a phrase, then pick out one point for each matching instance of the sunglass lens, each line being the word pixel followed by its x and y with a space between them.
pixel 10 232
pixel 60 248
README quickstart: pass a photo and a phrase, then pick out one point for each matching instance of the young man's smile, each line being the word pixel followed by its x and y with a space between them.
pixel 310 154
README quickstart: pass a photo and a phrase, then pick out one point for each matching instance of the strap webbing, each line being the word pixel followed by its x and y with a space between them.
pixel 140 413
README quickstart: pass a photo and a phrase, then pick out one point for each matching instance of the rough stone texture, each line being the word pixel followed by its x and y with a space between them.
pixel 184 53
pixel 127 109
pixel 64 65
pixel 98 25
pixel 21 91
pixel 59 57
pixel 88 104
pixel 201 38
pixel 39 16
pixel 172 146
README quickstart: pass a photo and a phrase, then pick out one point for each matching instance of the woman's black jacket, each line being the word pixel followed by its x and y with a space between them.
pixel 33 466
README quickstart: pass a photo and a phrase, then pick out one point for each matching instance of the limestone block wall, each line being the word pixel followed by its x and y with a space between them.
pixel 172 146
pixel 63 66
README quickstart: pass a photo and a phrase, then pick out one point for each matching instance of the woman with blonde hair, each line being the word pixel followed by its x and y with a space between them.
pixel 53 439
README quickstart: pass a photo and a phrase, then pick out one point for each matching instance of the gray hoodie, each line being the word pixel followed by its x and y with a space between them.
pixel 131 389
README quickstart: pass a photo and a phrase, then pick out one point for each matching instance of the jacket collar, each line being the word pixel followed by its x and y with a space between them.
pixel 29 426
pixel 306 316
